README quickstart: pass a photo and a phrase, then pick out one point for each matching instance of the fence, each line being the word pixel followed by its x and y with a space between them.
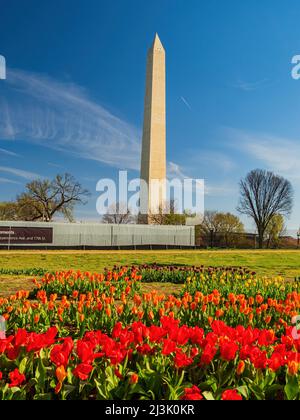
pixel 211 239
pixel 88 235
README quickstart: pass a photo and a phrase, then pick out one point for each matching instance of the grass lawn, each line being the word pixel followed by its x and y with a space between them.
pixel 270 263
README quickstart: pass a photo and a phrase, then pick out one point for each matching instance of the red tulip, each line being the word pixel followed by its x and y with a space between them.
pixel 192 394
pixel 16 378
pixel 83 371
pixel 231 395
pixel 228 351
pixel 182 360
pixel 168 347
pixel 208 354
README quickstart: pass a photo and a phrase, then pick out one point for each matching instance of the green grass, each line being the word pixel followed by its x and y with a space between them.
pixel 263 262
pixel 11 284
pixel 17 267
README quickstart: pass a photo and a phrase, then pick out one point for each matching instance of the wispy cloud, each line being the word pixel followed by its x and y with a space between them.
pixel 278 154
pixel 19 173
pixel 89 179
pixel 54 165
pixel 220 190
pixel 213 190
pixel 61 116
pixel 9 181
pixel 249 86
pixel 200 161
pixel 175 170
pixel 186 103
pixel 8 153
pixel 218 160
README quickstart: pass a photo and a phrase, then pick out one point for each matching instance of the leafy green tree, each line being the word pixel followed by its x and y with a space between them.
pixel 275 230
pixel 224 226
pixel 230 227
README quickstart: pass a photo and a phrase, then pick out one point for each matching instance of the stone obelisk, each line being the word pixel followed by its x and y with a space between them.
pixel 153 162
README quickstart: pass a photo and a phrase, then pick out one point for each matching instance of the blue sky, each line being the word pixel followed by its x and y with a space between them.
pixel 73 98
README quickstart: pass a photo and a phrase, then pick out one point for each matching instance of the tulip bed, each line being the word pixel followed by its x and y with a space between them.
pixel 228 335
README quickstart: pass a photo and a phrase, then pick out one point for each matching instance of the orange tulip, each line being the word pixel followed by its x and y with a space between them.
pixel 151 315
pixel 293 368
pixel 241 368
pixel 259 299
pixel 219 313
pixel 161 312
pixel 134 378
pixel 268 319
pixel 75 294
pixel 193 306
pixel 61 375
pixel 120 309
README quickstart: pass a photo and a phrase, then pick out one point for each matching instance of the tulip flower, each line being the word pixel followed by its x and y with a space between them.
pixel 231 395
pixel 16 378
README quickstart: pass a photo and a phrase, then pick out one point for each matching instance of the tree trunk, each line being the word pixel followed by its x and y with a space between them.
pixel 261 233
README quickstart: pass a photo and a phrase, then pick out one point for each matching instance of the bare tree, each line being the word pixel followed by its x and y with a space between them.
pixel 169 215
pixel 118 214
pixel 211 222
pixel 8 211
pixel 262 195
pixel 44 198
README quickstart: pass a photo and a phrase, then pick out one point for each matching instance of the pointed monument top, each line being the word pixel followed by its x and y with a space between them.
pixel 157 44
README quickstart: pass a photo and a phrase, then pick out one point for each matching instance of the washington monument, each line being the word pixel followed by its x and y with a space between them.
pixel 153 161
